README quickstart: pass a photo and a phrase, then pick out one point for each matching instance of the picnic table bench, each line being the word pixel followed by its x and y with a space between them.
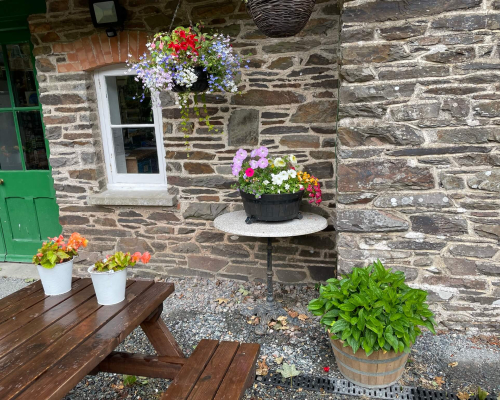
pixel 50 343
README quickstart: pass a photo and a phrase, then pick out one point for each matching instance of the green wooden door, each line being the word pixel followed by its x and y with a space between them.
pixel 28 210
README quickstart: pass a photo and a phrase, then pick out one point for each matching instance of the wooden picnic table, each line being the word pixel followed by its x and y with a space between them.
pixel 50 343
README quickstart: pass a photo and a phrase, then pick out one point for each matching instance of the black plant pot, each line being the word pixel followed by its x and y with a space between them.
pixel 199 86
pixel 272 207
pixel 280 18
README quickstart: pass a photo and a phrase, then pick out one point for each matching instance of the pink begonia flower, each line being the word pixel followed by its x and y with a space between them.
pixel 153 45
pixel 254 164
pixel 161 46
pixel 263 162
pixel 249 172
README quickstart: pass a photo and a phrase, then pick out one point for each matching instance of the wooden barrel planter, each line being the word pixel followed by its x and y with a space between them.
pixel 379 370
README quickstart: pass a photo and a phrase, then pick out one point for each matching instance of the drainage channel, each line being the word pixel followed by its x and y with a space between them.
pixel 343 386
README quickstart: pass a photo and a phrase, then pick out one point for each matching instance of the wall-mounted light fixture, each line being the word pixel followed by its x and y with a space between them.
pixel 107 14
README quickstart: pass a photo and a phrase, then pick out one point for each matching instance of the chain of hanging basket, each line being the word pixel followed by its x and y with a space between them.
pixel 280 18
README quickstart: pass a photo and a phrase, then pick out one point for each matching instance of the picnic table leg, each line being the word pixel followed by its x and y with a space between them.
pixel 159 335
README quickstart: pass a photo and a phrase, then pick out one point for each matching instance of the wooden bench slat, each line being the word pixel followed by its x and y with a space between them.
pixel 25 376
pixel 163 367
pixel 182 385
pixel 207 385
pixel 241 373
pixel 9 326
pixel 20 294
pixel 21 305
pixel 38 343
pixel 65 374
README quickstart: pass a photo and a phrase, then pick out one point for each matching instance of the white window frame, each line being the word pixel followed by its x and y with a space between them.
pixel 118 181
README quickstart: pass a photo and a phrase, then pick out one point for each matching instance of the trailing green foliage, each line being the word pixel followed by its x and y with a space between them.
pixel 374 309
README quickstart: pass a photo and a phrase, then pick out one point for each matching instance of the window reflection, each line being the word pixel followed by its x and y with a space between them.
pixel 135 150
pixel 10 157
pixel 21 75
pixel 31 130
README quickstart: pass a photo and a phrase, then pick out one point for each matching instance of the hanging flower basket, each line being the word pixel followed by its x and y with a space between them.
pixel 280 18
pixel 185 61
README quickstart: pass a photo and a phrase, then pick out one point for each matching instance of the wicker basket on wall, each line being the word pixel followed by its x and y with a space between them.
pixel 280 18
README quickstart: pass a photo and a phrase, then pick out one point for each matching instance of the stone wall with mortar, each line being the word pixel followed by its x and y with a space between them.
pixel 288 103
pixel 419 152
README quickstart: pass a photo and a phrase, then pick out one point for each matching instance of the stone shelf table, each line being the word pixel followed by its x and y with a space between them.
pixel 234 223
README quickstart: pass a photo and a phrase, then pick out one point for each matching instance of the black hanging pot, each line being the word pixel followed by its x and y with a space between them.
pixel 280 18
pixel 272 207
pixel 199 86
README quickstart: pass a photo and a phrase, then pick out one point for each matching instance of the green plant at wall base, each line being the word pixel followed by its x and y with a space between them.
pixel 374 309
pixel 121 260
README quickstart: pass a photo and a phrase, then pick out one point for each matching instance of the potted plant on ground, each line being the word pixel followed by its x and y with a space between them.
pixel 372 318
pixel 109 276
pixel 54 262
pixel 185 61
pixel 280 18
pixel 272 188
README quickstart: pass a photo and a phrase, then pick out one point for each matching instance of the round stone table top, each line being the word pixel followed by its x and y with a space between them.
pixel 234 223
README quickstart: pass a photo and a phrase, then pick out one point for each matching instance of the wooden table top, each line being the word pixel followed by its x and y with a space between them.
pixel 50 343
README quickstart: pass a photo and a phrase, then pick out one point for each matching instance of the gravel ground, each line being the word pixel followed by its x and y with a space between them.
pixel 212 309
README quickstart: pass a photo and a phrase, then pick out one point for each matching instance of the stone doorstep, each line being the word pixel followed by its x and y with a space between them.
pixel 160 198
pixel 18 270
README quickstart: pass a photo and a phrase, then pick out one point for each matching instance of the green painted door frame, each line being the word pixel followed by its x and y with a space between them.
pixel 28 210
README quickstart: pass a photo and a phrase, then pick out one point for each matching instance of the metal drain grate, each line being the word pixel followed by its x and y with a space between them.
pixel 426 394
pixel 343 386
pixel 338 386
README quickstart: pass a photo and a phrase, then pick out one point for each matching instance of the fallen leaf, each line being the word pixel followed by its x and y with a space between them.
pixel 453 364
pixel 463 395
pixel 293 314
pixel 279 360
pixel 262 368
pixel 243 291
pixel 29 280
pixel 303 317
pixel 129 380
pixel 282 318
pixel 222 300
pixel 181 295
pixel 439 380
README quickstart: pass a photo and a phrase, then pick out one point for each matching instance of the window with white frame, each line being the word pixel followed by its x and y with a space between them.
pixel 131 132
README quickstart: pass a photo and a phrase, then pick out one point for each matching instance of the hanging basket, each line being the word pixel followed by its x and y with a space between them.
pixel 280 18
pixel 199 86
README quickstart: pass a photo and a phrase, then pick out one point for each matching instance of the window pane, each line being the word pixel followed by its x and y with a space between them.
pixel 31 130
pixel 125 106
pixel 21 75
pixel 10 157
pixel 135 150
pixel 4 87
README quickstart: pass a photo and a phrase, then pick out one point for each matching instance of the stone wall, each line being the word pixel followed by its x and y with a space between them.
pixel 419 159
pixel 289 95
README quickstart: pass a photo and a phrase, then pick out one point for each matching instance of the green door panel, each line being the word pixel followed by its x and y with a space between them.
pixel 28 209
pixel 28 212
pixel 2 245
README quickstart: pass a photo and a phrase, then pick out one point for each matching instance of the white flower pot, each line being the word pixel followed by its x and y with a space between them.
pixel 56 280
pixel 109 286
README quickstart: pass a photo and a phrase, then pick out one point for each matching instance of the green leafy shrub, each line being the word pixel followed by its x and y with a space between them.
pixel 373 308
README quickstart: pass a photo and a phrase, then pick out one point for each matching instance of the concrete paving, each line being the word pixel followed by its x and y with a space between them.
pixel 18 270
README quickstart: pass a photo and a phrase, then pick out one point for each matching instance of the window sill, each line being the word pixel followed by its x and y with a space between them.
pixel 155 198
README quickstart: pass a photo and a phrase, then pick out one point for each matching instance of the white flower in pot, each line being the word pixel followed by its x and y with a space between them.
pixel 54 262
pixel 110 276
pixel 372 318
